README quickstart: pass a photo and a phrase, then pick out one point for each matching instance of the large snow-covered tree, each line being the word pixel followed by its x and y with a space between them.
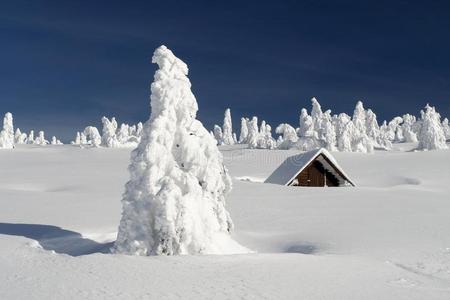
pixel 7 134
pixel 432 136
pixel 174 202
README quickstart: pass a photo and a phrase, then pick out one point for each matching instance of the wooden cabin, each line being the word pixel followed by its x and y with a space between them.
pixel 316 168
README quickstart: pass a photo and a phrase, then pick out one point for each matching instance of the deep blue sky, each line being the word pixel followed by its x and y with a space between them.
pixel 65 64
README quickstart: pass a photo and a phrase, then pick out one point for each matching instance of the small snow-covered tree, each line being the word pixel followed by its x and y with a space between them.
pixel 265 139
pixel 30 138
pixel 93 136
pixel 227 131
pixel 372 127
pixel 109 138
pixel 328 132
pixel 316 115
pixel 359 117
pixel 40 140
pixel 123 133
pixel 432 136
pixel 7 134
pixel 409 135
pixel 218 135
pixel 243 137
pixel 446 128
pixel 77 140
pixel 174 202
pixel 253 133
pixel 19 137
pixel 289 136
pixel 139 129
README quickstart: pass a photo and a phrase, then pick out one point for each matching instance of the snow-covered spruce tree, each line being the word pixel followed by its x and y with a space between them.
pixel 409 135
pixel 93 136
pixel 218 135
pixel 317 116
pixel 432 136
pixel 328 132
pixel 174 202
pixel 77 140
pixel 109 138
pixel 7 134
pixel 265 139
pixel 446 128
pixel 123 133
pixel 30 138
pixel 139 129
pixel 372 127
pixel 244 131
pixel 83 139
pixel 308 137
pixel 19 137
pixel 227 128
pixel 288 134
pixel 40 140
pixel 359 117
pixel 253 133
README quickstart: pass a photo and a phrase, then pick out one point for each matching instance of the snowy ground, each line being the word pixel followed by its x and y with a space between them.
pixel 388 238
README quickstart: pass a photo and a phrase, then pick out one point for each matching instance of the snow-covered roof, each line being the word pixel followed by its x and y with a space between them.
pixel 295 164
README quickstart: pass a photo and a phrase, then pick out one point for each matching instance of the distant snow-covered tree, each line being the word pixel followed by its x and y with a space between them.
pixel 20 137
pixel 244 131
pixel 77 140
pixel 7 134
pixel 93 136
pixel 253 133
pixel 446 128
pixel 109 137
pixel 409 135
pixel 174 202
pixel 40 140
pixel 218 135
pixel 30 138
pixel 289 136
pixel 359 117
pixel 432 136
pixel 227 128
pixel 265 139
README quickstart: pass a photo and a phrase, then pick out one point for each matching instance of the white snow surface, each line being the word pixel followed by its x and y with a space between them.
pixel 386 238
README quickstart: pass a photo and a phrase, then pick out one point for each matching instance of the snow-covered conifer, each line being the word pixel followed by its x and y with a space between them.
pixel 359 117
pixel 407 126
pixel 244 131
pixel 40 140
pixel 218 135
pixel 77 140
pixel 253 133
pixel 432 136
pixel 93 136
pixel 227 131
pixel 289 136
pixel 7 134
pixel 174 202
pixel 446 128
pixel 109 138
pixel 30 138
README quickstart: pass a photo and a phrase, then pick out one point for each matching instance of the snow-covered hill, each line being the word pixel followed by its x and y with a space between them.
pixel 387 238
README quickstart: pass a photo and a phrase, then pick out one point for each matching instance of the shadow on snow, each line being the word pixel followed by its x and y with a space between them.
pixel 56 239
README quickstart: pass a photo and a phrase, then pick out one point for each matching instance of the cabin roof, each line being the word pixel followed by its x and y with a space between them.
pixel 294 165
